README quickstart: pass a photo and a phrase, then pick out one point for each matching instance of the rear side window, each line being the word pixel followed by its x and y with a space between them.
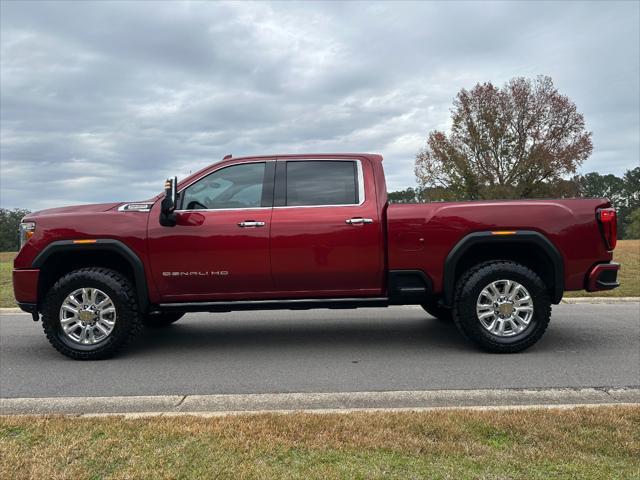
pixel 322 182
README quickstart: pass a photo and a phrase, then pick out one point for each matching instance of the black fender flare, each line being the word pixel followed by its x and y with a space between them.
pixel 102 244
pixel 519 236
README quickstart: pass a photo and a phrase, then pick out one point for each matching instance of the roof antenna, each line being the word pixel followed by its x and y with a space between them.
pixel 227 157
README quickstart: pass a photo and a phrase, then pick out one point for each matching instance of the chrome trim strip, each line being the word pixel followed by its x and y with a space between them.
pixel 361 189
pixel 320 206
pixel 125 207
pixel 224 209
pixel 266 208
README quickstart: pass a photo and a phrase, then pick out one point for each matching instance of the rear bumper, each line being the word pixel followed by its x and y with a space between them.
pixel 25 285
pixel 603 276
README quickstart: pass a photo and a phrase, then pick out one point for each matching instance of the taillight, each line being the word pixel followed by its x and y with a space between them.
pixel 608 226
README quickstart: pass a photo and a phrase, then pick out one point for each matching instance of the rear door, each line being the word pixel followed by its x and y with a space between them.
pixel 326 234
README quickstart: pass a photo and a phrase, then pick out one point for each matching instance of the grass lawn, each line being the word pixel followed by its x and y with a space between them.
pixel 586 443
pixel 6 287
pixel 627 253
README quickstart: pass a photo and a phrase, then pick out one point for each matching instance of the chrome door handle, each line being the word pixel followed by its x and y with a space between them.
pixel 358 221
pixel 251 223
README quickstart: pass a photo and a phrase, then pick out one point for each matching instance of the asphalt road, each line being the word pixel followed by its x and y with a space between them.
pixel 399 348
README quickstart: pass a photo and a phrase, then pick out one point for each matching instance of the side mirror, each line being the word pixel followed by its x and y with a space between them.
pixel 169 202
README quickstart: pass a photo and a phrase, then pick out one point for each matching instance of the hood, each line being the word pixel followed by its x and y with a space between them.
pixel 94 207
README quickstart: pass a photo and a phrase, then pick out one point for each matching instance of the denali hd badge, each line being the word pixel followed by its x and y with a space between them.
pixel 219 273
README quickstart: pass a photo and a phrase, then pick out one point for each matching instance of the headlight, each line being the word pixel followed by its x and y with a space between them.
pixel 26 232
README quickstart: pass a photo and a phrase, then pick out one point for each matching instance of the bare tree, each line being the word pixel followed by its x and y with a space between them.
pixel 512 142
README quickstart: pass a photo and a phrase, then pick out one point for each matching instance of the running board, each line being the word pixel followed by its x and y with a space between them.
pixel 295 304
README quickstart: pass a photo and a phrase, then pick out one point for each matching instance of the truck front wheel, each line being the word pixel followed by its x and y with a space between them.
pixel 91 313
pixel 502 306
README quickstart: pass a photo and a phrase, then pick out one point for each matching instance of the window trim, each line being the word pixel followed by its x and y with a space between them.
pixel 281 182
pixel 268 181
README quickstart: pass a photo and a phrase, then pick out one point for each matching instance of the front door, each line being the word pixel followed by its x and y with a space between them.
pixel 219 249
pixel 326 234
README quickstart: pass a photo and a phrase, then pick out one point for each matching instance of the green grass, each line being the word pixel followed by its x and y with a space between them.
pixel 6 285
pixel 586 443
pixel 627 253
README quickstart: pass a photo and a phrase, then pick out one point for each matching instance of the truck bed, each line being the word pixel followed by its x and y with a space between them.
pixel 422 235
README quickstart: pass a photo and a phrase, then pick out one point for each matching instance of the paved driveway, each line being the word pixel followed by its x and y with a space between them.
pixel 399 348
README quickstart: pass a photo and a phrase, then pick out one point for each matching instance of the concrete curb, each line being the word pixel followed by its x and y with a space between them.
pixel 612 300
pixel 133 416
pixel 319 402
pixel 12 310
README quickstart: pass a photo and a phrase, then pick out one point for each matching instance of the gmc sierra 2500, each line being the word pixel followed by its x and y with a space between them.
pixel 300 232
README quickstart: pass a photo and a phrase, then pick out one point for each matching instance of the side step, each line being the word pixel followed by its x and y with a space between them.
pixel 295 304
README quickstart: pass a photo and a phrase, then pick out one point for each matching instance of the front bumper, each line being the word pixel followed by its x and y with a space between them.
pixel 25 285
pixel 603 276
pixel 31 308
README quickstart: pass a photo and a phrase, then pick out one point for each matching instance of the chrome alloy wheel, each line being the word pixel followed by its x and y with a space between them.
pixel 504 308
pixel 87 316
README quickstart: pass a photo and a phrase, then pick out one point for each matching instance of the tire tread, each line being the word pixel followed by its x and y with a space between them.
pixel 117 283
pixel 465 283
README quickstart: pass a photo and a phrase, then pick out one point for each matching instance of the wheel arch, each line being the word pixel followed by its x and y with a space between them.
pixel 540 255
pixel 62 256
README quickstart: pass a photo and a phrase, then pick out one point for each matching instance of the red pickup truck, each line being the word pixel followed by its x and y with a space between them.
pixel 301 232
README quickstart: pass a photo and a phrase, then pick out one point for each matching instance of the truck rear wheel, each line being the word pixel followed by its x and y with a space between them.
pixel 502 306
pixel 158 320
pixel 91 313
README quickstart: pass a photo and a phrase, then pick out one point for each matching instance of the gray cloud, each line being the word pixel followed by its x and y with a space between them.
pixel 103 100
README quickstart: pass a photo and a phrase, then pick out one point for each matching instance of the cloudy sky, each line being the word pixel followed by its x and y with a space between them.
pixel 102 101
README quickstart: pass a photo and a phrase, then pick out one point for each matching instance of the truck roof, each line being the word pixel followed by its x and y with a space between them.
pixel 319 156
pixel 315 156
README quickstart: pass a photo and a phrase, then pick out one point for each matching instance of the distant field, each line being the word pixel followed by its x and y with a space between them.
pixel 587 443
pixel 627 253
pixel 6 287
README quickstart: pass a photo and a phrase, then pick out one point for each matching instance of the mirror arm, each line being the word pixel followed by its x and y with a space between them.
pixel 168 217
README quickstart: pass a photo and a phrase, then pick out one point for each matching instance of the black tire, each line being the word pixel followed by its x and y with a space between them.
pixel 470 286
pixel 433 308
pixel 159 320
pixel 122 294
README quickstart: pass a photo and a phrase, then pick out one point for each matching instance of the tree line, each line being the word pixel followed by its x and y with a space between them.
pixel 9 225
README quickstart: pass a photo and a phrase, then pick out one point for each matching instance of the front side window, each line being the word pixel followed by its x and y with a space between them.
pixel 322 182
pixel 237 186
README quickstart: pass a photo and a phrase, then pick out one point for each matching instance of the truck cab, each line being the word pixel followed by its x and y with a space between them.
pixel 269 228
